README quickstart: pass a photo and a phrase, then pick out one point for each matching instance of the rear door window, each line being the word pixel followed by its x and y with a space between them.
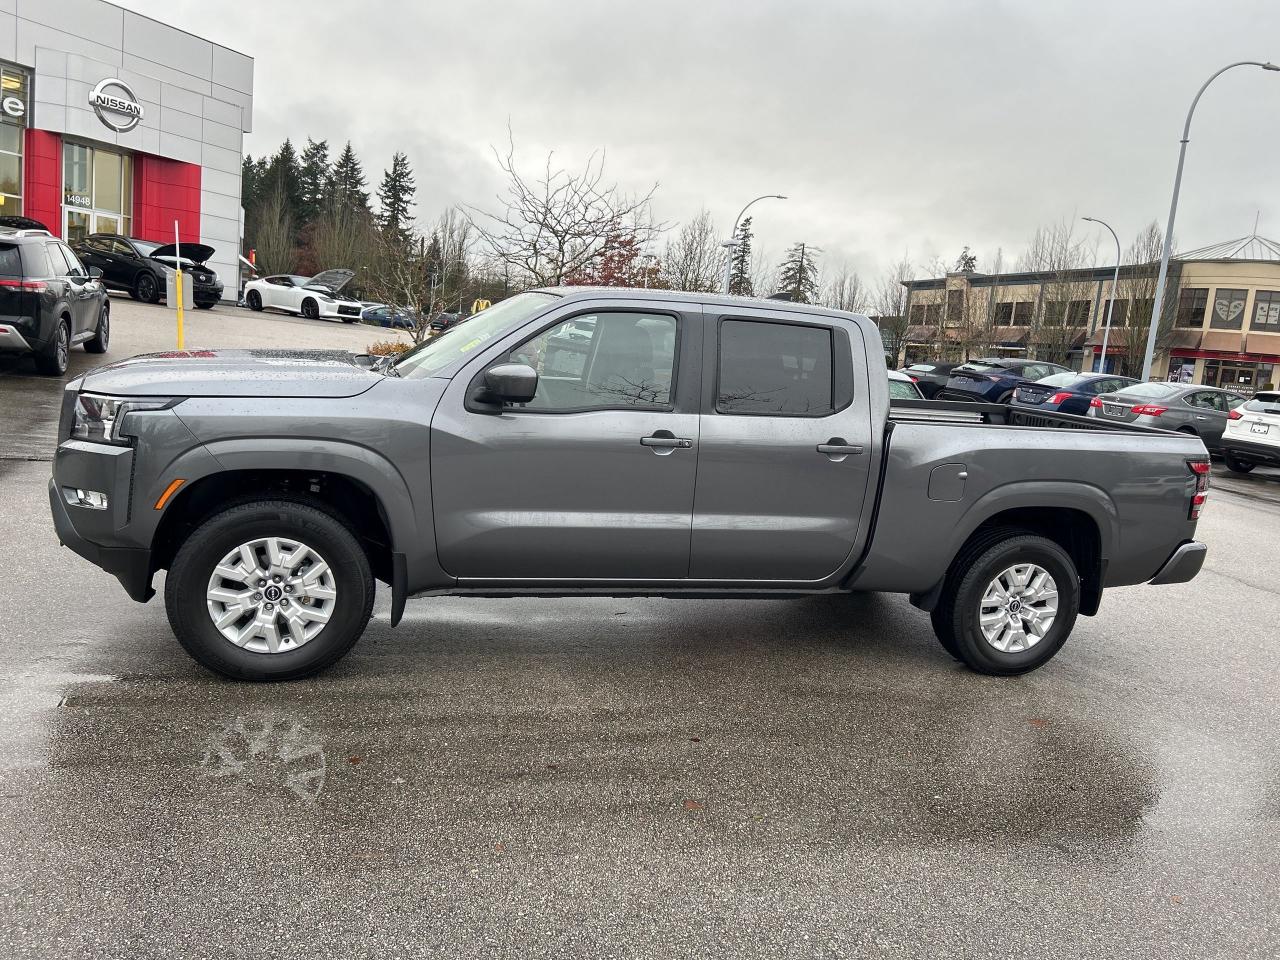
pixel 774 369
pixel 57 262
pixel 10 261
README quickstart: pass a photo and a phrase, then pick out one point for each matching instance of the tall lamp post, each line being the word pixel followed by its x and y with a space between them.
pixel 1173 211
pixel 731 244
pixel 1111 304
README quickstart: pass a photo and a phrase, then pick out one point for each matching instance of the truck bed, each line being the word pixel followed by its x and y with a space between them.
pixel 1002 415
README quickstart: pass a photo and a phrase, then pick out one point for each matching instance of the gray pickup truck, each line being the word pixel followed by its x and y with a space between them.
pixel 603 442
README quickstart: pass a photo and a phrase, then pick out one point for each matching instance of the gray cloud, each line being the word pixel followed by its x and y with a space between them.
pixel 893 127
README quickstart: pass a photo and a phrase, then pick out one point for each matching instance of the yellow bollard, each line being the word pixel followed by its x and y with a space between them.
pixel 178 290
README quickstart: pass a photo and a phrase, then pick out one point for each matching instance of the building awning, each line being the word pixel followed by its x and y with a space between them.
pixel 1225 341
pixel 922 334
pixel 1267 344
pixel 1010 336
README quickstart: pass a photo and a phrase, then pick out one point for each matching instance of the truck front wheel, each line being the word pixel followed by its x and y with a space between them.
pixel 1009 603
pixel 273 590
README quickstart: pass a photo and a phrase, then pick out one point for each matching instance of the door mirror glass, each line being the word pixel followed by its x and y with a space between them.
pixel 95 272
pixel 510 383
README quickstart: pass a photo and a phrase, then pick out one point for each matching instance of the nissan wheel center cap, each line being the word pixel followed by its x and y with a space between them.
pixel 114 102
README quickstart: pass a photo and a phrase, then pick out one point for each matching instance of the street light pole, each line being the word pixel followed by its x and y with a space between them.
pixel 731 244
pixel 1111 304
pixel 1173 211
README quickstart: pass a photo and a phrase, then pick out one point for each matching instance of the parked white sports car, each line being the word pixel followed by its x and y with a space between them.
pixel 316 298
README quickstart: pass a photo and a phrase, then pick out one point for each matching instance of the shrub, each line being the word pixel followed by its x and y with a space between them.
pixel 383 348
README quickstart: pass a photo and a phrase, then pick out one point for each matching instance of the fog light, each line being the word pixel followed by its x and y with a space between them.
pixel 91 499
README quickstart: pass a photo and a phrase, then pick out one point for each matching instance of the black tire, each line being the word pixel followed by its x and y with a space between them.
pixel 956 619
pixel 188 580
pixel 53 361
pixel 1237 466
pixel 103 335
pixel 146 288
pixel 204 306
pixel 310 309
pixel 254 300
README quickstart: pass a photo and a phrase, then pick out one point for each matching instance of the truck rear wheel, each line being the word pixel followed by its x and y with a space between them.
pixel 274 590
pixel 1009 603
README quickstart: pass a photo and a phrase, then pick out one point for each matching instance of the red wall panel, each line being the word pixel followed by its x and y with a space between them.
pixel 164 191
pixel 42 179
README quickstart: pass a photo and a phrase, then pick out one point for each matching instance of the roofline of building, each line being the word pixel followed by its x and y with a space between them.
pixel 189 33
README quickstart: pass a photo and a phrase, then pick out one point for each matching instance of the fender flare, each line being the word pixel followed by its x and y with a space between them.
pixel 1086 498
pixel 359 463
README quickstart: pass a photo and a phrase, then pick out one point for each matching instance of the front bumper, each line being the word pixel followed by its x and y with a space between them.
pixel 130 565
pixel 1183 564
pixel 1250 451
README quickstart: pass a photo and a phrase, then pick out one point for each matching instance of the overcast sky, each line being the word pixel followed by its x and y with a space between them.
pixel 894 127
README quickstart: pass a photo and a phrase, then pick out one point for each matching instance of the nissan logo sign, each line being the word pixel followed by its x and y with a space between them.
pixel 115 105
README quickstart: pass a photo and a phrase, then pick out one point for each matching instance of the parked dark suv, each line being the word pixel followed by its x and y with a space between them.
pixel 138 266
pixel 49 300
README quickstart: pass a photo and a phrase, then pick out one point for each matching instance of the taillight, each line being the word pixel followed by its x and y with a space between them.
pixel 33 286
pixel 913 379
pixel 1235 415
pixel 1061 397
pixel 1148 410
pixel 1200 468
pixel 1096 402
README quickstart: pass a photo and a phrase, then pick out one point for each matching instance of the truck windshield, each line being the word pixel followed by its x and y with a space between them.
pixel 459 340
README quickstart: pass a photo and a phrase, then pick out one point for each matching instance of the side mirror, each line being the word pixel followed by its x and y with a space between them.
pixel 510 383
pixel 95 273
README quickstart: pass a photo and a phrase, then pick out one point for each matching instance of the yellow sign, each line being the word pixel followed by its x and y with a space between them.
pixel 478 305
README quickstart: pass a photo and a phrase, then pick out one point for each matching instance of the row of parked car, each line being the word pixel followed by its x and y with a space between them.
pixel 1244 430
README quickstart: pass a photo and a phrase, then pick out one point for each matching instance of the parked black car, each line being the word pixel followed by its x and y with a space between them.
pixel 930 377
pixel 443 321
pixel 993 379
pixel 49 300
pixel 138 266
pixel 1067 392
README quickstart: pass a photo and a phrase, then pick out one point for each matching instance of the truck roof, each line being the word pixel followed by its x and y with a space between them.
pixel 719 299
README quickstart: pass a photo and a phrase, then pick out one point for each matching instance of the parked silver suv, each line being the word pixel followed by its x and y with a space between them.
pixel 1185 407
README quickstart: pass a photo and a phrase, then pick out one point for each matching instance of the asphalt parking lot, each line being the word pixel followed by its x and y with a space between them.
pixel 530 778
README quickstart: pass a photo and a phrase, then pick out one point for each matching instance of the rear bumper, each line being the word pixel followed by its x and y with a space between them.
pixel 11 339
pixel 1250 451
pixel 1182 565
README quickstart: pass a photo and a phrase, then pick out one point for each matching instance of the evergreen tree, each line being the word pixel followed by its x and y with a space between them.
pixel 740 269
pixel 967 262
pixel 314 175
pixel 284 173
pixel 348 187
pixel 798 274
pixel 395 197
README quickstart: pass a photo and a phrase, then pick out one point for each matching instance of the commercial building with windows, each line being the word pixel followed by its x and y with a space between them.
pixel 1221 324
pixel 112 122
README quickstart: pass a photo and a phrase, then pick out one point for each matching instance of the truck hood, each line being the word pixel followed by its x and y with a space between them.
pixel 234 373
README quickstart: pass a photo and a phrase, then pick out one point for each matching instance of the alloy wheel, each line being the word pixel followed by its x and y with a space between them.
pixel 1018 608
pixel 63 347
pixel 271 595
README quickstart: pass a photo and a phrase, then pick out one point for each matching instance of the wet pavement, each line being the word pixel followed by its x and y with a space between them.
pixel 528 778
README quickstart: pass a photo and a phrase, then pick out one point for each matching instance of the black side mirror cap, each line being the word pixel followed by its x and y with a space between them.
pixel 510 383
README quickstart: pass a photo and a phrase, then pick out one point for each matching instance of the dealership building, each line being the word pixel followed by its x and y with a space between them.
pixel 1221 323
pixel 112 122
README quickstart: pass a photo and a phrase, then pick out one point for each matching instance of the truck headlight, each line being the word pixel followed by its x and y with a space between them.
pixel 99 419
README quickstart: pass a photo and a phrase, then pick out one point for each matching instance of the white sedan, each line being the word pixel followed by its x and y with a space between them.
pixel 316 298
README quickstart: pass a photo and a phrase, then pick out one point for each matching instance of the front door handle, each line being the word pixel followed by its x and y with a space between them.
pixel 665 441
pixel 837 448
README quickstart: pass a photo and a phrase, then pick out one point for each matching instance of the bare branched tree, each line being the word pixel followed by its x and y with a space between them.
pixel 1066 295
pixel 1137 295
pixel 275 234
pixel 694 258
pixel 552 225
pixel 344 237
pixel 890 304
pixel 846 291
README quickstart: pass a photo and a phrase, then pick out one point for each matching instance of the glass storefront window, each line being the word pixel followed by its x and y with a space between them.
pixel 106 181
pixel 10 174
pixel 1228 309
pixel 97 190
pixel 77 191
